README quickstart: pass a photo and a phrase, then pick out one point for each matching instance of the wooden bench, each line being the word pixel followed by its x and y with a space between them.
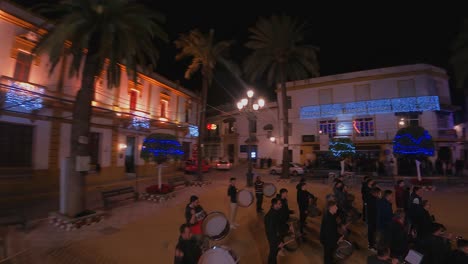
pixel 118 195
pixel 178 181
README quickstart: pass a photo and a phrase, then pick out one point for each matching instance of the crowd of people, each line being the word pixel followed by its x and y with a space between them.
pixel 397 221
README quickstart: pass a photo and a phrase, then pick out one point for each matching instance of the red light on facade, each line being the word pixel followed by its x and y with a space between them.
pixel 211 126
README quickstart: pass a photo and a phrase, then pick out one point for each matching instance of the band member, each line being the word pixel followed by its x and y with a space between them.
pixel 366 195
pixel 372 216
pixel 396 235
pixel 364 190
pixel 424 221
pixel 401 195
pixel 272 229
pixel 382 257
pixel 303 203
pixel 298 188
pixel 415 203
pixel 194 215
pixel 329 236
pixel 259 193
pixel 384 211
pixel 284 211
pixel 460 255
pixel 187 249
pixel 232 193
pixel 436 248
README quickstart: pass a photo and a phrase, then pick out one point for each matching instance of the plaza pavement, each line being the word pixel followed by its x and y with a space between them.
pixel 145 232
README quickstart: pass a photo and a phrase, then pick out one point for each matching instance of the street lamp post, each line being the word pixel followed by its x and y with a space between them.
pixel 250 107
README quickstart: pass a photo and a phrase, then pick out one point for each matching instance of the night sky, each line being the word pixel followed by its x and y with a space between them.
pixel 351 38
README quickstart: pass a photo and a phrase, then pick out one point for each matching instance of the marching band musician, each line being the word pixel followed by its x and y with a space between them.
pixel 460 255
pixel 329 236
pixel 259 193
pixel 194 215
pixel 372 216
pixel 436 248
pixel 232 193
pixel 273 230
pixel 284 211
pixel 303 202
pixel 187 249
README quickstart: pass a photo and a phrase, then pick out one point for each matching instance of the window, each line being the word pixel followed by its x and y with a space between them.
pixel 15 145
pixel 133 99
pixel 94 139
pixel 23 66
pixel 408 120
pixel 362 92
pixel 164 108
pixel 364 127
pixel 327 127
pixel 406 88
pixel 289 102
pixel 325 96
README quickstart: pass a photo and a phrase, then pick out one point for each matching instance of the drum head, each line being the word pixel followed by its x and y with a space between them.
pixel 344 250
pixel 269 189
pixel 245 198
pixel 215 226
pixel 217 255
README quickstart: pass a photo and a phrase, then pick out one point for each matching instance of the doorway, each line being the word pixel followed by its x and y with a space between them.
pixel 231 153
pixel 130 155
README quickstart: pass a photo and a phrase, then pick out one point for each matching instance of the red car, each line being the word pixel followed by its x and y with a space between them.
pixel 191 166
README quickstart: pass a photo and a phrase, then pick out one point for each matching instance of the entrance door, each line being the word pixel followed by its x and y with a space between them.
pixel 231 153
pixel 130 155
pixel 307 154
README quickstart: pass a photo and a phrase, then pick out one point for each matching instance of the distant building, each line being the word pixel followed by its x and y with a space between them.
pixel 36 112
pixel 369 107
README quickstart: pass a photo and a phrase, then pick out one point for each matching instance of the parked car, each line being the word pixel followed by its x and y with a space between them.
pixel 294 169
pixel 223 165
pixel 191 166
pixel 304 167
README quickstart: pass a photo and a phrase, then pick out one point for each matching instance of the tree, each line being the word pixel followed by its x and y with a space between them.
pixel 205 54
pixel 101 35
pixel 159 148
pixel 459 62
pixel 413 143
pixel 280 55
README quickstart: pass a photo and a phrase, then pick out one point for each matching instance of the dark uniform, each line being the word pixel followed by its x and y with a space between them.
pixel 191 250
pixel 284 213
pixel 303 203
pixel 329 236
pixel 259 194
pixel 272 229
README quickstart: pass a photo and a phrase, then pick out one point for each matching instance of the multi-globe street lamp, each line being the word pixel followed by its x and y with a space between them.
pixel 250 106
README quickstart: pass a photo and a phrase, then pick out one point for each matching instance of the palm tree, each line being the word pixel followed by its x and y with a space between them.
pixel 103 34
pixel 280 55
pixel 205 54
pixel 459 61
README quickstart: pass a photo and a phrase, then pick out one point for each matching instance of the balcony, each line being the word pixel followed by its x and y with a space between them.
pixel 20 96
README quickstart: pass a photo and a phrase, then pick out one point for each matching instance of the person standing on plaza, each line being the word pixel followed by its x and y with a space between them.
pixel 187 249
pixel 232 193
pixel 303 203
pixel 401 195
pixel 273 230
pixel 259 193
pixel 329 236
pixel 372 216
pixel 384 211
pixel 194 215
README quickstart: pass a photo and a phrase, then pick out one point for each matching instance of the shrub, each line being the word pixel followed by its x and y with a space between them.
pixel 154 189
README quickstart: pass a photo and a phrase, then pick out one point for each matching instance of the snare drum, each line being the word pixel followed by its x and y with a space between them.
pixel 344 250
pixel 245 198
pixel 215 226
pixel 217 255
pixel 269 189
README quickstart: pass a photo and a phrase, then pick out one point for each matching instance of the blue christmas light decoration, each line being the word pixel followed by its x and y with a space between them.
pixel 342 147
pixel 413 141
pixel 160 147
pixel 140 122
pixel 193 131
pixel 24 96
pixel 394 105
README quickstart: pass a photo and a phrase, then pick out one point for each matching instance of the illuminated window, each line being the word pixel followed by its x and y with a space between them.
pixel 327 127
pixel 23 66
pixel 133 99
pixel 164 105
pixel 364 127
pixel 408 120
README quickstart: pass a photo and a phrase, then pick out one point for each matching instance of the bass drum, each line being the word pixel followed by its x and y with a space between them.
pixel 219 255
pixel 344 250
pixel 245 198
pixel 269 190
pixel 215 226
pixel 293 237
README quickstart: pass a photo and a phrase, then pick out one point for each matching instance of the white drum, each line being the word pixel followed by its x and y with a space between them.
pixel 219 255
pixel 215 226
pixel 245 198
pixel 269 189
pixel 344 250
